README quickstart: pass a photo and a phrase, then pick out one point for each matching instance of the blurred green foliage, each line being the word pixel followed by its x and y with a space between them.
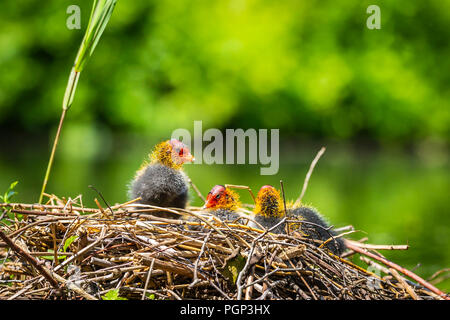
pixel 309 67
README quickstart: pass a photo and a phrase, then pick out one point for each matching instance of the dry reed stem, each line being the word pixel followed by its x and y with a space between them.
pixel 308 176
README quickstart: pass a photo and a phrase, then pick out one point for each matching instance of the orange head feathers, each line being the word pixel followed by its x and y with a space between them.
pixel 171 153
pixel 222 198
pixel 269 203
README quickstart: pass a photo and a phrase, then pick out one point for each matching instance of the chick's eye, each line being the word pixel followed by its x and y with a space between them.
pixel 218 197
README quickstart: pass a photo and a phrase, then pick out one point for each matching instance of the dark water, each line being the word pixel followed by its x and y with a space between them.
pixel 389 196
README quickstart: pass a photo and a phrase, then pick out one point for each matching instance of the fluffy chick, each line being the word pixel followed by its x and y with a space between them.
pixel 269 211
pixel 223 203
pixel 162 182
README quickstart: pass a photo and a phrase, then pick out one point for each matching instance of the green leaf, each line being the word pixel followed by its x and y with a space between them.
pixel 9 193
pixel 52 257
pixel 112 295
pixel 233 267
pixel 100 14
pixel 68 242
pixel 13 185
pixel 10 284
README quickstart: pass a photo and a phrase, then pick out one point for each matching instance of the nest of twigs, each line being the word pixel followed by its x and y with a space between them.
pixel 63 250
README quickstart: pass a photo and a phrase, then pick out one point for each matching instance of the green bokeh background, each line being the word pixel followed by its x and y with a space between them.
pixel 378 99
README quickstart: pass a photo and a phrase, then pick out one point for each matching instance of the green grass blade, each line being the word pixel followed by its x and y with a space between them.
pixel 100 14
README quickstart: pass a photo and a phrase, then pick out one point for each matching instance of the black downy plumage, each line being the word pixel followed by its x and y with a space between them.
pixel 162 182
pixel 269 211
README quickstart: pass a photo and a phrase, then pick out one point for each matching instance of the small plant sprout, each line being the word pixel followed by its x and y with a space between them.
pixel 113 295
pixel 100 14
pixel 6 197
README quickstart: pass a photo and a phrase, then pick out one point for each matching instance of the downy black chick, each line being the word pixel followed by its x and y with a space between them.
pixel 223 203
pixel 269 211
pixel 162 182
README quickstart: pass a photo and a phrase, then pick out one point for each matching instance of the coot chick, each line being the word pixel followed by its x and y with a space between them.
pixel 223 203
pixel 162 182
pixel 315 226
pixel 269 211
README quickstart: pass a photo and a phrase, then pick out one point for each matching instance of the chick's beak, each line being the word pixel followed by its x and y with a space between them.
pixel 189 158
pixel 207 204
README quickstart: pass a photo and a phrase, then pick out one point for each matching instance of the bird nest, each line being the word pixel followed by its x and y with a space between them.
pixel 62 250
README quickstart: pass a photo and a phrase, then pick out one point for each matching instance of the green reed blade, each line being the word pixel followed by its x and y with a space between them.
pixel 100 14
